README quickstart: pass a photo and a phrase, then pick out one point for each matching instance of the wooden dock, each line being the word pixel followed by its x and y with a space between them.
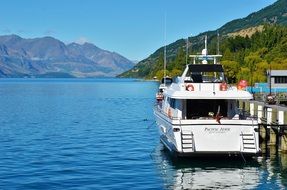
pixel 272 121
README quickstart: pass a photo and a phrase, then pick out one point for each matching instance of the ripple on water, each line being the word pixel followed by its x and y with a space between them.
pixel 100 134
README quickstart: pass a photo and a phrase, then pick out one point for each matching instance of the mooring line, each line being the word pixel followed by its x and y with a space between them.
pixel 243 157
pixel 148 127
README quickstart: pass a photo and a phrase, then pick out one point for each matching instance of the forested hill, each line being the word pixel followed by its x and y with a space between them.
pixel 257 38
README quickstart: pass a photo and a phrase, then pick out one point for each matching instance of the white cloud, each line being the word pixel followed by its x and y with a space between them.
pixel 82 40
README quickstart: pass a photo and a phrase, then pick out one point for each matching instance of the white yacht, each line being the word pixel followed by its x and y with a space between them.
pixel 199 114
pixel 165 82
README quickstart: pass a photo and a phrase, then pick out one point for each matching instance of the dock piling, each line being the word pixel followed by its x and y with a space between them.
pixel 272 123
pixel 283 146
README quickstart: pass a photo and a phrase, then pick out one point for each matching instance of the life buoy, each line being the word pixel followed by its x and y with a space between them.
pixel 242 85
pixel 189 87
pixel 223 86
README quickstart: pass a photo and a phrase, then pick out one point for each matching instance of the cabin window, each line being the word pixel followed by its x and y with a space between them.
pixel 204 73
pixel 206 108
pixel 171 102
pixel 280 79
pixel 200 77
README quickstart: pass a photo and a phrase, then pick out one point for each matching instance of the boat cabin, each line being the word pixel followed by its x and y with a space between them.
pixel 202 93
pixel 202 108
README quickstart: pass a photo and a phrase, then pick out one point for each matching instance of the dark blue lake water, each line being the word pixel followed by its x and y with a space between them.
pixel 100 134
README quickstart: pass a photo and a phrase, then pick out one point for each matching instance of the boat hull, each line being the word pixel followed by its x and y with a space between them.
pixel 197 138
pixel 208 154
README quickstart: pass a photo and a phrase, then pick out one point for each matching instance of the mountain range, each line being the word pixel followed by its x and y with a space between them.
pixel 275 14
pixel 49 57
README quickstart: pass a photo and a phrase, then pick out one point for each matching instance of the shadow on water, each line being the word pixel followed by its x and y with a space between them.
pixel 198 173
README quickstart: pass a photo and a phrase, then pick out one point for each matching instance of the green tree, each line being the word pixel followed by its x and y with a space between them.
pixel 175 72
pixel 231 69
pixel 243 74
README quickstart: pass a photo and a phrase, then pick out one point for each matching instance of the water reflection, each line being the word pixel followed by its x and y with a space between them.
pixel 274 168
pixel 283 166
pixel 264 172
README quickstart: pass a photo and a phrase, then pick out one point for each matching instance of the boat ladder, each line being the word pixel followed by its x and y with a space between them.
pixel 187 141
pixel 248 142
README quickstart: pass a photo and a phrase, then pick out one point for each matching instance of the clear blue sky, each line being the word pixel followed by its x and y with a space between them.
pixel 133 28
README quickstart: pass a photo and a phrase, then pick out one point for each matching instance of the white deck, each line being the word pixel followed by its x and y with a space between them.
pixel 206 91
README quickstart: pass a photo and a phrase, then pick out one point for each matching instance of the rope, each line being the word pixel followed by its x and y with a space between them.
pixel 149 126
pixel 242 157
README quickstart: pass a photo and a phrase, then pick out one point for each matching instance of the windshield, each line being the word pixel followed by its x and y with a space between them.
pixel 199 77
pixel 205 73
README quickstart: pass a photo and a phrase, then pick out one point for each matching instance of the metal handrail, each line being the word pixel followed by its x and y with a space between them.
pixel 255 117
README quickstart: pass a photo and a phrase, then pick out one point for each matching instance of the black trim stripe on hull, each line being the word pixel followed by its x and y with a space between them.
pixel 216 154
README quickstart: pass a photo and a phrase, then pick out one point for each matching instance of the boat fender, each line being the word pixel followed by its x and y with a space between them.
pixel 169 113
pixel 189 87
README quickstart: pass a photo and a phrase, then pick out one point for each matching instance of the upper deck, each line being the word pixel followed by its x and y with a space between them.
pixel 204 81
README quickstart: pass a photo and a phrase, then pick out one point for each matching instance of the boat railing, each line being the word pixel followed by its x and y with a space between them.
pixel 215 86
pixel 245 116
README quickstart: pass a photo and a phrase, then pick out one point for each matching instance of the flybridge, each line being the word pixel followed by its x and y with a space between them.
pixel 203 72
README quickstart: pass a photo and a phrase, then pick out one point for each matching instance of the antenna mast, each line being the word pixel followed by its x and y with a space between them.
pixel 205 46
pixel 218 43
pixel 186 53
pixel 164 50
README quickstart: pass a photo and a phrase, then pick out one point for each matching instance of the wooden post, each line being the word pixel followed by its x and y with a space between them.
pixel 283 138
pixel 283 147
pixel 260 108
pixel 272 140
pixel 273 132
pixel 280 117
pixel 269 115
pixel 262 128
pixel 262 132
pixel 251 109
pixel 268 121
